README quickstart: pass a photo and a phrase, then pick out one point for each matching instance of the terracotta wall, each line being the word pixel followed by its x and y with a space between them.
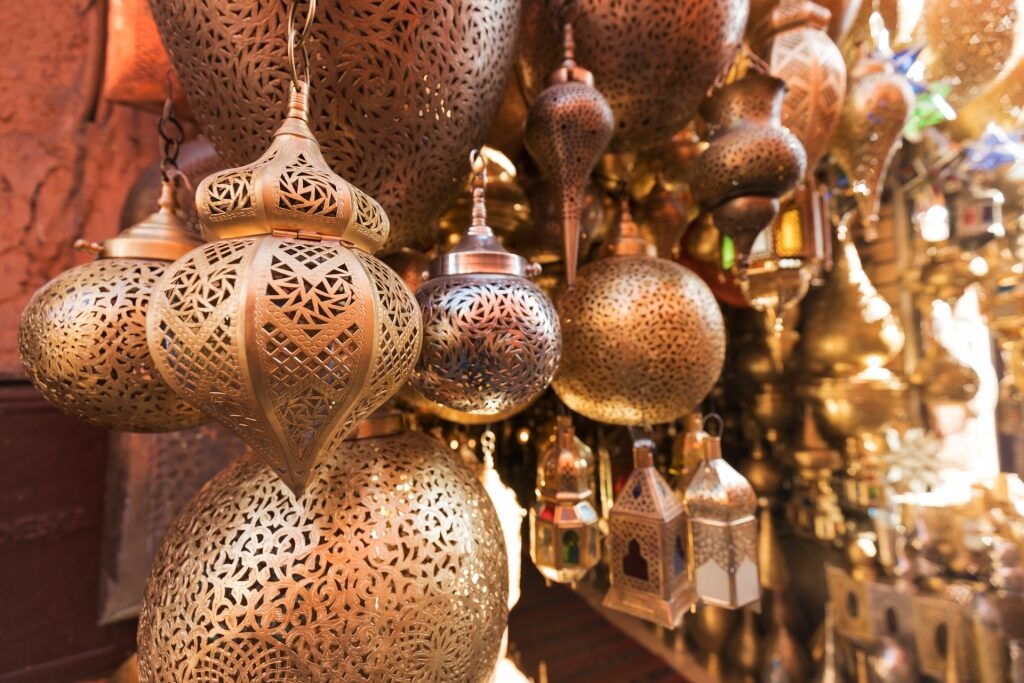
pixel 66 160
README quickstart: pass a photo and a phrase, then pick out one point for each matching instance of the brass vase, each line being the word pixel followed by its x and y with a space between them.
pixel 752 160
pixel 419 88
pixel 653 61
pixel 390 567
pixel 878 105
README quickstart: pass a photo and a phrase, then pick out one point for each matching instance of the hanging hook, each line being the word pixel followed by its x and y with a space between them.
pixel 298 40
pixel 717 418
pixel 172 134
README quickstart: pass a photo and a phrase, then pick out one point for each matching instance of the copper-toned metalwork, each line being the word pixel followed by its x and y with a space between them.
pixel 878 104
pixel 654 61
pixel 967 43
pixel 565 539
pixel 663 218
pixel 390 567
pixel 136 68
pixel 687 452
pixel 648 547
pixel 542 239
pixel 491 338
pixel 721 504
pixel 814 71
pixel 751 161
pixel 196 160
pixel 82 337
pixel 508 209
pixel 279 330
pixel 843 12
pixel 643 340
pixel 848 326
pixel 418 88
pixel 568 126
pixel 700 250
pixel 150 478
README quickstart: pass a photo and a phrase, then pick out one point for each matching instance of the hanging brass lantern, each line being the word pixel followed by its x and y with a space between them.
pixel 648 547
pixel 285 328
pixel 722 504
pixel 848 326
pixel 418 86
pixel 878 104
pixel 663 218
pixel 82 337
pixel 752 160
pixel 806 59
pixel 654 60
pixel 565 539
pixel 567 128
pixel 643 340
pixel 389 567
pixel 491 338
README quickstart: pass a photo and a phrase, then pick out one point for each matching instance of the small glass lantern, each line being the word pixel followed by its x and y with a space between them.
pixel 648 547
pixel 722 506
pixel 564 531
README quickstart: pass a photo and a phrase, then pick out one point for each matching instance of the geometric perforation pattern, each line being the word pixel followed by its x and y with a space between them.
pixel 389 567
pixel 82 342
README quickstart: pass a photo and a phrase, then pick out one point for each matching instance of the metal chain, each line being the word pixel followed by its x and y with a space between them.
pixel 172 135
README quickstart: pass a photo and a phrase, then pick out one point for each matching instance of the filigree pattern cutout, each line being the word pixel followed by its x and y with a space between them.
pixel 418 85
pixel 643 341
pixel 490 344
pixel 390 567
pixel 308 190
pixel 326 334
pixel 82 342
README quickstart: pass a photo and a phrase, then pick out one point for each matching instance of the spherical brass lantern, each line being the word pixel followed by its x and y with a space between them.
pixel 82 338
pixel 416 84
pixel 491 338
pixel 390 567
pixel 285 328
pixel 643 339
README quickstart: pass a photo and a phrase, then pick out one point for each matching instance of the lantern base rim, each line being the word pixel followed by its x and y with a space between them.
pixel 666 613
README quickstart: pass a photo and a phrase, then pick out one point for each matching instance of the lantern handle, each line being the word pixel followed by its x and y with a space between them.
pixel 717 418
pixel 298 40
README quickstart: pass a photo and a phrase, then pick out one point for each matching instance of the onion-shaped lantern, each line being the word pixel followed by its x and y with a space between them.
pixel 643 340
pixel 82 338
pixel 565 538
pixel 752 160
pixel 285 328
pixel 722 506
pixel 491 338
pixel 648 546
pixel 389 567
pixel 567 128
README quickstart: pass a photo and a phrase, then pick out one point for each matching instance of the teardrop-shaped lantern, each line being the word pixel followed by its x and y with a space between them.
pixel 82 337
pixel 878 104
pixel 565 538
pixel 285 328
pixel 643 340
pixel 491 338
pixel 722 506
pixel 814 71
pixel 752 160
pixel 568 126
